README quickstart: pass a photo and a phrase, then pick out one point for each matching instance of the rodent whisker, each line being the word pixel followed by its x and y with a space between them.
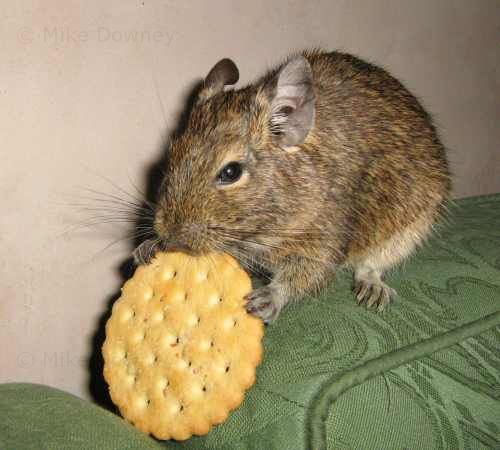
pixel 91 213
pixel 214 269
pixel 106 211
pixel 108 198
pixel 246 260
pixel 90 224
pixel 271 229
pixel 118 217
pixel 142 199
pixel 249 241
pixel 296 236
pixel 128 236
pixel 107 208
pixel 97 209
pixel 276 247
pixel 284 229
pixel 95 221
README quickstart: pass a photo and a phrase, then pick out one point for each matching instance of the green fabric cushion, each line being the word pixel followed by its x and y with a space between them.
pixel 35 417
pixel 424 375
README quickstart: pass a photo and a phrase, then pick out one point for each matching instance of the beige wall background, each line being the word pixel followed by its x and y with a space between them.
pixel 89 90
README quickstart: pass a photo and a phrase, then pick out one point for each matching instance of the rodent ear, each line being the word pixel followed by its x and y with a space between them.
pixel 222 74
pixel 293 104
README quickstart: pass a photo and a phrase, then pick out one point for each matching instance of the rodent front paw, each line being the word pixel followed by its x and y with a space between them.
pixel 145 252
pixel 264 303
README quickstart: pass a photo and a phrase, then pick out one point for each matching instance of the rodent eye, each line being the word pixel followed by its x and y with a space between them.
pixel 230 173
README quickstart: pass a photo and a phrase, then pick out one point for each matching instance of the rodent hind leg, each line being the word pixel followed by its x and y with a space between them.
pixel 370 290
pixel 296 277
pixel 369 267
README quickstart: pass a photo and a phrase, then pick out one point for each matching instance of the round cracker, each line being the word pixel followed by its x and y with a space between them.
pixel 180 348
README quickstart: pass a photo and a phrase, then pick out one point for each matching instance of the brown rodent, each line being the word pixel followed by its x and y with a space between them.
pixel 325 162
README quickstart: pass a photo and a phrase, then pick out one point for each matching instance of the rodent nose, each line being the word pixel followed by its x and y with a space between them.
pixel 194 227
pixel 186 237
pixel 184 229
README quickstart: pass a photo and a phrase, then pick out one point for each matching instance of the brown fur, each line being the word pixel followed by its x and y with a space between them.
pixel 363 188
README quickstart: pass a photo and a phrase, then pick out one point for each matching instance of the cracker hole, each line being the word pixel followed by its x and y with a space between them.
pixel 204 389
pixel 148 401
pixel 212 343
pixel 181 408
pixel 220 299
pixel 189 364
pixel 174 274
pixel 165 389
pixel 227 368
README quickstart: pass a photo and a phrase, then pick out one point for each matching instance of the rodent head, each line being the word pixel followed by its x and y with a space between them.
pixel 229 176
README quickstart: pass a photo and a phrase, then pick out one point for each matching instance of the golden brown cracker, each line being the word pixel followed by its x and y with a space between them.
pixel 180 348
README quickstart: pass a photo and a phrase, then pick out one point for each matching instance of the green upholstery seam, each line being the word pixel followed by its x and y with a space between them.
pixel 333 388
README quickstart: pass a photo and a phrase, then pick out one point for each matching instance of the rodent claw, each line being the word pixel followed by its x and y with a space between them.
pixel 263 303
pixel 376 296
